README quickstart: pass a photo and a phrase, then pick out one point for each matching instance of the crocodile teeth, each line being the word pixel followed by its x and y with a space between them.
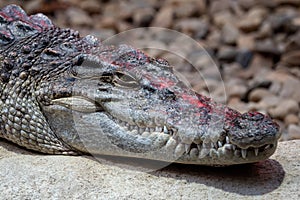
pixel 233 147
pixel 145 134
pixel 171 143
pixel 244 153
pixel 141 130
pixel 165 130
pixel 204 152
pixel 267 147
pixel 256 151
pixel 187 147
pixel 134 132
pixel 199 147
pixel 194 153
pixel 157 129
pixel 220 144
pixel 228 146
pixel 227 140
pixel 180 149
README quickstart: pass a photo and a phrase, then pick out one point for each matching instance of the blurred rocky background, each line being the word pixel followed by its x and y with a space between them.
pixel 255 45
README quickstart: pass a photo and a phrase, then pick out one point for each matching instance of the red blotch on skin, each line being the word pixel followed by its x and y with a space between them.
pixel 163 83
pixel 192 100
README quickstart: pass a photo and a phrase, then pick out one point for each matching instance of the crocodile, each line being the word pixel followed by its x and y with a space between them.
pixel 66 94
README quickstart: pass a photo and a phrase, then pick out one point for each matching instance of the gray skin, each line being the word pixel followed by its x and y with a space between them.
pixel 63 94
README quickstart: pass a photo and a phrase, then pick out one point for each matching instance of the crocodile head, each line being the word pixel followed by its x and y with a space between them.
pixel 74 94
pixel 134 105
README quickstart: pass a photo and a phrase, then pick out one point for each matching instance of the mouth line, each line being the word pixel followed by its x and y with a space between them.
pixel 195 149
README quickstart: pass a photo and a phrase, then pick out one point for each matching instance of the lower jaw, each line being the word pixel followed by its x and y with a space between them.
pixel 219 153
pixel 225 156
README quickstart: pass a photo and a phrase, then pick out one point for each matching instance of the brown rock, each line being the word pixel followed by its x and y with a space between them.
pixel 222 18
pixel 213 39
pixel 91 6
pixel 238 105
pixel 229 34
pixel 267 46
pixel 185 10
pixel 164 18
pixel 78 17
pixel 235 88
pixel 227 53
pixel 293 131
pixel 265 31
pixel 296 21
pixel 291 58
pixel 191 26
pixel 247 4
pixel 290 89
pixel 253 19
pixel 278 76
pixel 270 101
pixel 258 65
pixel 284 108
pixel 123 26
pixel 106 22
pixel 293 44
pixel 218 6
pixel 258 94
pixel 291 119
pixel 143 16
pixel 246 41
pixel 291 2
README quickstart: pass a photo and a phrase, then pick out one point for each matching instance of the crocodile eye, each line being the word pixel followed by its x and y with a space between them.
pixel 125 80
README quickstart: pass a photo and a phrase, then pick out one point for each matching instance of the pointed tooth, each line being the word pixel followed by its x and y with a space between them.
pixel 227 140
pixel 157 129
pixel 145 134
pixel 204 152
pixel 194 153
pixel 206 145
pixel 152 129
pixel 131 127
pixel 187 147
pixel 228 146
pixel 256 151
pixel 216 145
pixel 141 130
pixel 236 152
pixel 179 150
pixel 233 147
pixel 267 147
pixel 199 147
pixel 171 143
pixel 213 153
pixel 244 153
pixel 220 144
pixel 165 130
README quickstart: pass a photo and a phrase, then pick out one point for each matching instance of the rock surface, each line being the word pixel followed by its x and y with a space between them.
pixel 26 175
pixel 256 41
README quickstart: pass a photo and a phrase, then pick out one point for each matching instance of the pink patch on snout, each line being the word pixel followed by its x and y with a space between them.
pixel 192 100
pixel 163 83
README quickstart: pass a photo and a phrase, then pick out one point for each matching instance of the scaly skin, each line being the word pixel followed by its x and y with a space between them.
pixel 63 94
